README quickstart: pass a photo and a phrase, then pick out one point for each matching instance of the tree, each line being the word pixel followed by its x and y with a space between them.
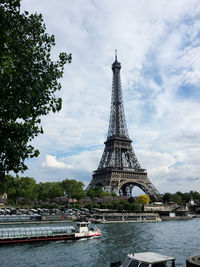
pixel 127 206
pixel 181 198
pixel 49 190
pixel 143 199
pixel 27 189
pixel 135 207
pixel 73 189
pixel 187 197
pixel 56 190
pixel 29 81
pixel 194 195
pixel 91 193
pixel 167 197
pixel 131 200
pixel 42 190
pixel 97 191
pixel 17 187
pixel 177 199
pixel 11 187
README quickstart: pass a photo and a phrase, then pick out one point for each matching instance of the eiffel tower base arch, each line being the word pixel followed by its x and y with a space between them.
pixel 115 181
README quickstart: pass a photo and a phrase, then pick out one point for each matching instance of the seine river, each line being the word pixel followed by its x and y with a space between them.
pixel 179 239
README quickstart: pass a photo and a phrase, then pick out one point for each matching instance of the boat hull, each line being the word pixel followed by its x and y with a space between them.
pixel 46 238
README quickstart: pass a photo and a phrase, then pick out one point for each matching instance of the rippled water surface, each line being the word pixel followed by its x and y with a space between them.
pixel 179 239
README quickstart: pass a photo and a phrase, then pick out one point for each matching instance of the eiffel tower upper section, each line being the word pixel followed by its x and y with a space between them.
pixel 117 125
pixel 118 152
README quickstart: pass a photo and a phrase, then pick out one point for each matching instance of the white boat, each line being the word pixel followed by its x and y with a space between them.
pixel 145 259
pixel 10 235
pixel 83 231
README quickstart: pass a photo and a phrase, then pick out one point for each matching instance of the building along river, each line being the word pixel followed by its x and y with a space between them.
pixel 180 239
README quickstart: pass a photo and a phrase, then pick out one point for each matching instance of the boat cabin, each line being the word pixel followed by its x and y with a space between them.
pixel 146 259
pixel 82 227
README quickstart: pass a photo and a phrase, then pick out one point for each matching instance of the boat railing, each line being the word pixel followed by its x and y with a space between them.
pixel 10 218
pixel 34 232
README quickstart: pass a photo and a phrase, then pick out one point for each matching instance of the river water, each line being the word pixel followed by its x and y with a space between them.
pixel 179 239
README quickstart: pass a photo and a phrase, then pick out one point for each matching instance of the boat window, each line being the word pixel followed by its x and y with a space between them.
pixel 126 262
pixel 162 264
pixel 142 264
pixel 133 264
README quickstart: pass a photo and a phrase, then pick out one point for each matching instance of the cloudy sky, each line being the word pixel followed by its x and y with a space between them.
pixel 158 43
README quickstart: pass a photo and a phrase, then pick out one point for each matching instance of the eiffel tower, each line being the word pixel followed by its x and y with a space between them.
pixel 119 170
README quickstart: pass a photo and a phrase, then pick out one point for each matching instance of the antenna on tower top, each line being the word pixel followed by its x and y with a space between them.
pixel 115 54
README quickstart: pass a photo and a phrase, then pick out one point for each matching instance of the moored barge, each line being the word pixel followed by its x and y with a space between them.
pixel 35 234
pixel 126 217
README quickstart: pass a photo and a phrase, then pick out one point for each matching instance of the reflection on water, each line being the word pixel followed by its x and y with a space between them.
pixel 180 239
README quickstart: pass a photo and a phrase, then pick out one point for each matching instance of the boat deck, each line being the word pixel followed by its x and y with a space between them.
pixel 31 232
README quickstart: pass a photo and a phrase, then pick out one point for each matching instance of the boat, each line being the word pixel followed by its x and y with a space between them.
pixel 125 217
pixel 145 259
pixel 46 233
pixel 193 261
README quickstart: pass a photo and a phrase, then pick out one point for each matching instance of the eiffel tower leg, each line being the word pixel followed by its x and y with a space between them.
pixel 114 186
pixel 126 190
pixel 123 191
pixel 131 189
pixel 151 191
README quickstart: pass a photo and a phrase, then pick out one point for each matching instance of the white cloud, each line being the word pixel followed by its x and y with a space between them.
pixel 86 161
pixel 52 162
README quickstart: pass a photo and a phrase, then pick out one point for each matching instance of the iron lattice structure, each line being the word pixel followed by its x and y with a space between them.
pixel 119 170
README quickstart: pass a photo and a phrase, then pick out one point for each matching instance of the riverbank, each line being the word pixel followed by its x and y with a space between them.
pixel 94 218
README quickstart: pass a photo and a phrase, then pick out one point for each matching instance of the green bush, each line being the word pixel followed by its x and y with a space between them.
pixel 37 206
pixel 11 202
pixel 131 200
pixel 110 206
pixel 54 206
pixel 89 206
pixel 135 207
pixel 77 206
pixel 103 205
pixel 127 206
pixel 120 207
pixel 114 204
pixel 46 206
